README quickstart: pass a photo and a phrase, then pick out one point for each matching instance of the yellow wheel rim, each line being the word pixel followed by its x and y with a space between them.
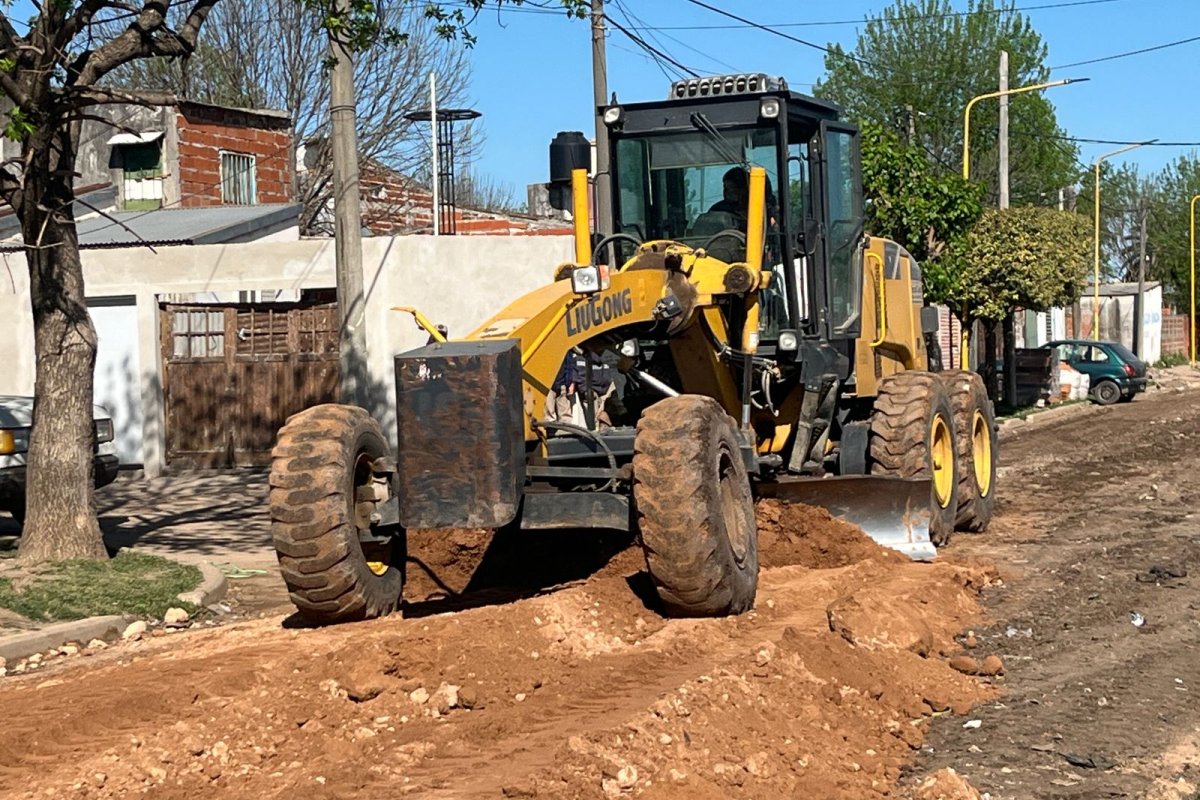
pixel 378 567
pixel 981 453
pixel 941 451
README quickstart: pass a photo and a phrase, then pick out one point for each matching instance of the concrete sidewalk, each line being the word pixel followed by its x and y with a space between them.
pixel 194 517
pixel 216 517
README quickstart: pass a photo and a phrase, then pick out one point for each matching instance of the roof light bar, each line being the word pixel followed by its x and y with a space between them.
pixel 718 85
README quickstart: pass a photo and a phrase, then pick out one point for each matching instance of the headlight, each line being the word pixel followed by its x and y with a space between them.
pixel 612 115
pixel 589 280
pixel 104 430
pixel 769 108
pixel 629 348
pixel 788 340
pixel 14 440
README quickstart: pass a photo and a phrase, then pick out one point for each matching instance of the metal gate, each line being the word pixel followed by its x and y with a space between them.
pixel 234 373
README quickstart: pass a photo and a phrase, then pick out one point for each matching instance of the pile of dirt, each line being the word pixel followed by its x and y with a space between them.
pixel 795 533
pixel 578 693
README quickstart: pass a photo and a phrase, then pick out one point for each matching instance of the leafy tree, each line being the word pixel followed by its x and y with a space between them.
pixel 929 211
pixel 1124 195
pixel 1169 221
pixel 1028 257
pixel 51 73
pixel 921 55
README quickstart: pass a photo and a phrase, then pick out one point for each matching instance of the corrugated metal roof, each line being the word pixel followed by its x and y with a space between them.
pixel 180 226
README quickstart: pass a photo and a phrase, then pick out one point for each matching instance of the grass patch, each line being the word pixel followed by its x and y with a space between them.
pixel 1171 360
pixel 131 583
pixel 1029 411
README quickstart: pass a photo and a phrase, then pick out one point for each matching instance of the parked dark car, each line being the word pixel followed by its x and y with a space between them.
pixel 1114 371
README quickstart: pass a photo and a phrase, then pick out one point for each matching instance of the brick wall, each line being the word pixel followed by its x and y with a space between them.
pixel 1175 334
pixel 206 131
pixel 393 205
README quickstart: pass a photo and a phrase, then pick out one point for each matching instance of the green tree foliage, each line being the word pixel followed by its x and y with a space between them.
pixel 928 211
pixel 1168 233
pixel 921 55
pixel 1028 257
pixel 1164 196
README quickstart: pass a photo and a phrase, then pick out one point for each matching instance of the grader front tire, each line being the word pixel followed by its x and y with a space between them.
pixel 912 436
pixel 975 428
pixel 694 508
pixel 321 464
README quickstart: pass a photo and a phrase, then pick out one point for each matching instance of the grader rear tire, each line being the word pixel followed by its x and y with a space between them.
pixel 320 462
pixel 694 508
pixel 975 429
pixel 912 436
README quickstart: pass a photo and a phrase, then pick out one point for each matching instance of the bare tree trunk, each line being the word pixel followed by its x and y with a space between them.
pixel 60 504
pixel 1010 361
pixel 988 359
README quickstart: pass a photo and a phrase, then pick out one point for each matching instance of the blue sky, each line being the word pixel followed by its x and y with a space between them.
pixel 532 70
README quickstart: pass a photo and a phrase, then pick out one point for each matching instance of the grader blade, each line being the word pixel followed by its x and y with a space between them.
pixel 892 511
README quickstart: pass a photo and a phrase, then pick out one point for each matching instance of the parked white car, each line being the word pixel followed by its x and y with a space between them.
pixel 16 421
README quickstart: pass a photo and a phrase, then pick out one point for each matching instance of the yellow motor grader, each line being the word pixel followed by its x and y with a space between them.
pixel 738 335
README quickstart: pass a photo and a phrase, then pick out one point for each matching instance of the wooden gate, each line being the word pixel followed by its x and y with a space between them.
pixel 234 373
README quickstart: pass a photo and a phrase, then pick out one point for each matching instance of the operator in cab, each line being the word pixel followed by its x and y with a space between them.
pixel 736 186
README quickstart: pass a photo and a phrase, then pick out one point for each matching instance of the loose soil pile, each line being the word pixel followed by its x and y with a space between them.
pixel 824 691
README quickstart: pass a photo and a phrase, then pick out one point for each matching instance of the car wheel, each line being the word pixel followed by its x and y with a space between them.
pixel 1106 393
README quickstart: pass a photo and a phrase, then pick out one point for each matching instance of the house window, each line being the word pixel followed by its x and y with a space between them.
pixel 239 184
pixel 142 179
pixel 197 332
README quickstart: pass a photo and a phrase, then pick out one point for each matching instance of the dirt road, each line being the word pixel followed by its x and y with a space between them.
pixel 827 690
pixel 1090 508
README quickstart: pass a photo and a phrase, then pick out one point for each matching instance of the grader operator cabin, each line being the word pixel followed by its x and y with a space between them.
pixel 738 335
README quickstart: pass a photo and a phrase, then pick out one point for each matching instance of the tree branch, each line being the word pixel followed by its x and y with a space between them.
pixel 85 96
pixel 140 41
pixel 14 91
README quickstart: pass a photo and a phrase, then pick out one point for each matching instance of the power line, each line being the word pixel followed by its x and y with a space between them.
pixel 633 18
pixel 1128 54
pixel 831 23
pixel 651 48
pixel 1144 143
pixel 780 33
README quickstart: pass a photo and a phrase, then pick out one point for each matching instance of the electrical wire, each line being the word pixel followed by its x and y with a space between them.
pixel 1128 54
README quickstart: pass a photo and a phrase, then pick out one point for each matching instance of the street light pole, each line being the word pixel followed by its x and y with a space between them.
pixel 1192 293
pixel 1096 236
pixel 966 167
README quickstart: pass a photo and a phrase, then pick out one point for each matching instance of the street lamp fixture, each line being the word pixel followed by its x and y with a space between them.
pixel 966 169
pixel 1096 236
pixel 1019 90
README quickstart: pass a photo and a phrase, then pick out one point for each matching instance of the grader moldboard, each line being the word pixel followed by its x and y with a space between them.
pixel 761 344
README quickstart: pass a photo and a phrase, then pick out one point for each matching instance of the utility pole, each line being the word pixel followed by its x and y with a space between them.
pixel 1010 324
pixel 347 225
pixel 603 210
pixel 912 123
pixel 1003 129
pixel 1139 305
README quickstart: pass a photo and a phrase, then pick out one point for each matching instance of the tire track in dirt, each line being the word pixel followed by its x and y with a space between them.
pixel 1105 497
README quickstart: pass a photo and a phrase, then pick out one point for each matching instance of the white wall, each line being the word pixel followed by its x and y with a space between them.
pixel 1117 316
pixel 456 281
